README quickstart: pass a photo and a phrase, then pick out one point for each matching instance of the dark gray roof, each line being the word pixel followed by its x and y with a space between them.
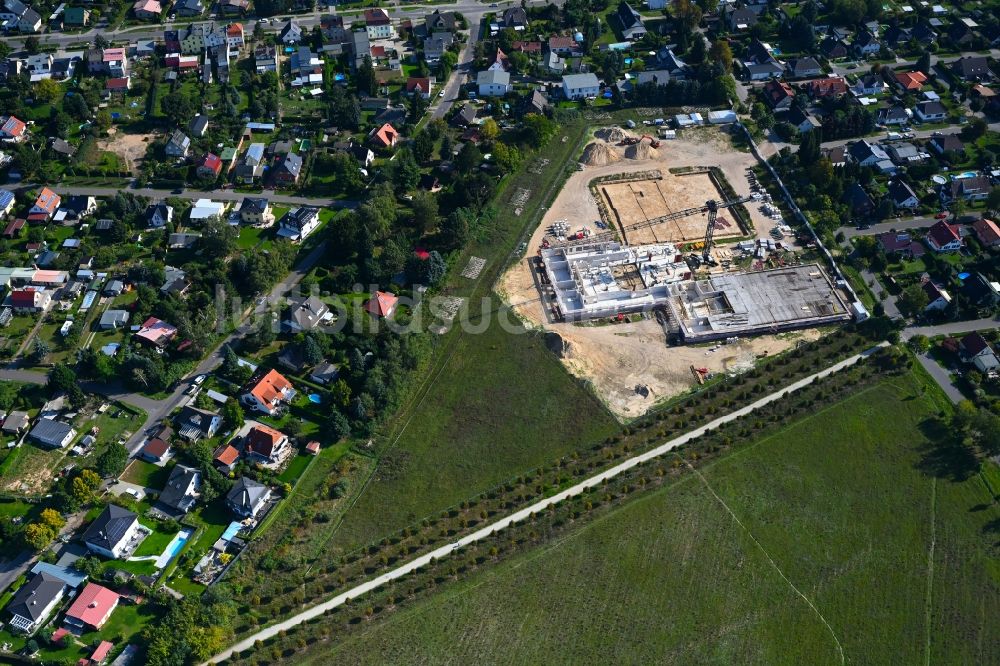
pixel 173 495
pixel 50 432
pixel 35 595
pixel 245 493
pixel 292 164
pixel 109 527
pixel 255 204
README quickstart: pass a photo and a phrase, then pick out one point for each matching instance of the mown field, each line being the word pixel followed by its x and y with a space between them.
pixel 844 506
pixel 503 405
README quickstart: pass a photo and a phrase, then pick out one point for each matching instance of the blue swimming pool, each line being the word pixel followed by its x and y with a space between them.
pixel 315 398
pixel 174 547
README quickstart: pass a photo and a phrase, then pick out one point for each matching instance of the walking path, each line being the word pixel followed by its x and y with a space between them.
pixel 527 512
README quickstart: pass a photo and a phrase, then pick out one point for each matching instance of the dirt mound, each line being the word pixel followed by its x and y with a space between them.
pixel 641 151
pixel 599 154
pixel 612 134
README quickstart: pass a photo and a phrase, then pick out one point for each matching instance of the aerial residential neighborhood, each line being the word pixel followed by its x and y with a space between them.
pixel 333 331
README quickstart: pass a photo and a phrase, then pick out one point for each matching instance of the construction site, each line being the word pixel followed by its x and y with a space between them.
pixel 643 259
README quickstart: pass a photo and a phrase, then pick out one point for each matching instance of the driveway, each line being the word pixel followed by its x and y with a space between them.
pixel 942 377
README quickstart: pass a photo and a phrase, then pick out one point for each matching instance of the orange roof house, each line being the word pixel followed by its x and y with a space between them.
pixel 226 456
pixel 911 80
pixel 382 304
pixel 45 205
pixel 385 136
pixel 267 393
pixel 156 332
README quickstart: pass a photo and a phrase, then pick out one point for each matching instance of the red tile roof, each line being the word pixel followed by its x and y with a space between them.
pixel 93 606
pixel 376 16
pixel 155 448
pixel 943 233
pixel 382 303
pixel 911 80
pixel 313 447
pixel 47 201
pixel 988 231
pixel 13 127
pixel 211 161
pixel 226 455
pixel 423 84
pixel 101 652
pixel 22 298
pixel 118 84
pixel 825 87
pixel 14 227
pixel 386 135
pixel 262 440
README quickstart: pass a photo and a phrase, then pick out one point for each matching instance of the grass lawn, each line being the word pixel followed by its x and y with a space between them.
pixel 295 467
pixel 845 502
pixel 505 406
pixel 146 474
pixel 155 543
pixel 250 237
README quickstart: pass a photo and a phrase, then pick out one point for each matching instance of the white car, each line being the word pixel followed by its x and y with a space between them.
pixel 264 21
pixel 441 94
pixel 199 379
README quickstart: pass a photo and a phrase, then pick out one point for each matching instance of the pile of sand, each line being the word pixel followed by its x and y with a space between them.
pixel 599 154
pixel 641 151
pixel 612 134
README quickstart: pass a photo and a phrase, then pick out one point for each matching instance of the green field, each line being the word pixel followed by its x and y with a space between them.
pixel 503 405
pixel 841 502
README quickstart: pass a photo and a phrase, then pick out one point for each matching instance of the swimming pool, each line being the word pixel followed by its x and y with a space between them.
pixel 966 174
pixel 315 398
pixel 174 547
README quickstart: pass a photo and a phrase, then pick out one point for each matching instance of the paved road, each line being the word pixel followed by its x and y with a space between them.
pixel 526 512
pixel 942 376
pixel 952 328
pixel 220 195
pixel 11 374
pixel 462 70
pixel 899 224
pixel 11 570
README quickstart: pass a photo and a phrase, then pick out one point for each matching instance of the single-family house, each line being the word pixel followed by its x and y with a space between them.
pixel 564 46
pixel 209 166
pixel 298 223
pixel 204 210
pixel 113 319
pixel 385 136
pixel 256 211
pixel 893 115
pixel 225 458
pixel 12 129
pixel 76 17
pixel 159 215
pixel 325 373
pixel 858 200
pixel 975 188
pixel 630 22
pixel 947 143
pixel 247 497
pixel 976 350
pixel 52 434
pixel 987 231
pixel 803 122
pixel 902 195
pixel 291 33
pixel 900 243
pixel 419 85
pixel 16 422
pixel 114 533
pixel 194 424
pixel 937 297
pixel 910 81
pixel 930 111
pixel 870 84
pixel 515 18
pixel 91 608
pixel 580 86
pixel 34 602
pixel 45 206
pixel 178 144
pixel 305 314
pixel 800 68
pixel 288 169
pixel 382 304
pixel 833 48
pixel 972 68
pixel 493 83
pixel 268 393
pixel 864 153
pixel 156 332
pixel 778 95
pixel 944 237
pixel 739 18
pixel 866 43
pixel 181 492
pixel 155 450
pixel 378 25
pixel 29 300
pixel 264 444
pixel 903 153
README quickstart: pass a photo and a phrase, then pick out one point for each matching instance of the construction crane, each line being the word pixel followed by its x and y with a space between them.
pixel 712 207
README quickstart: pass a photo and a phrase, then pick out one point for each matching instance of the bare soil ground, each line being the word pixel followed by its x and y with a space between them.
pixel 616 358
pixel 130 147
pixel 638 201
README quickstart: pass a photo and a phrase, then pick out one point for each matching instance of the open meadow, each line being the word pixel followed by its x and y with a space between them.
pixel 856 535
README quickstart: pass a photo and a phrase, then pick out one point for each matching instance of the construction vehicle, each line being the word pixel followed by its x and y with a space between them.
pixel 633 140
pixel 712 207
